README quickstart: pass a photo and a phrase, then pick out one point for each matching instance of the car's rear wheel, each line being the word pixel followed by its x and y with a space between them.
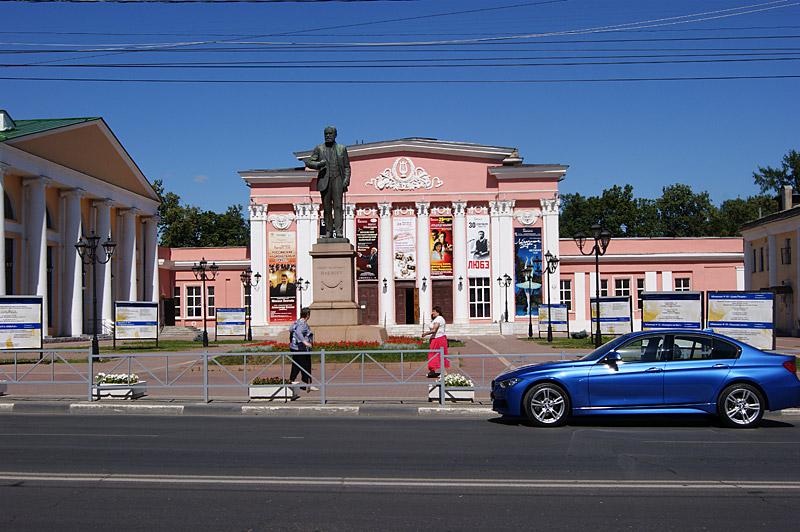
pixel 547 405
pixel 740 406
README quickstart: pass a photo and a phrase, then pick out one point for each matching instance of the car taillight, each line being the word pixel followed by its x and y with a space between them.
pixel 791 366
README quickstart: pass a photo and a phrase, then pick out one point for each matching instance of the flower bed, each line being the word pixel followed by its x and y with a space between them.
pixel 453 380
pixel 119 385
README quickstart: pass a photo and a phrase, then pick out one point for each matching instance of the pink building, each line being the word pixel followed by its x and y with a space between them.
pixel 458 225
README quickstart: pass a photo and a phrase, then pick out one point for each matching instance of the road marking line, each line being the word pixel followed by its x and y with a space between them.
pixel 500 358
pixel 85 434
pixel 405 482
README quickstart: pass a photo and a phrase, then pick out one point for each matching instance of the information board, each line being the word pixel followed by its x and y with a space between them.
pixel 615 315
pixel 20 322
pixel 746 316
pixel 672 310
pixel 560 318
pixel 135 320
pixel 231 322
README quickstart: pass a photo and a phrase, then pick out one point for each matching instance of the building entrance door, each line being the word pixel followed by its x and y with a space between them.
pixel 443 297
pixel 368 301
pixel 404 302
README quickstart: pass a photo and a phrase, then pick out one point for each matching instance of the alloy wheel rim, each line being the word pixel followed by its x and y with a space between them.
pixel 547 405
pixel 742 406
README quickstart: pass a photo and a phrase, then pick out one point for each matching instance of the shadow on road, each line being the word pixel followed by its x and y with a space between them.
pixel 642 420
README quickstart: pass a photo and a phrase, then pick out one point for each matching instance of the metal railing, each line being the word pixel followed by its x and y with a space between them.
pixel 42 366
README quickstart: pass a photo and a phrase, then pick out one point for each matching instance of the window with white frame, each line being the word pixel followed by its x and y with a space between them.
pixel 786 252
pixel 683 284
pixel 754 260
pixel 603 287
pixel 622 287
pixel 176 295
pixel 194 302
pixel 761 259
pixel 210 301
pixel 639 291
pixel 566 293
pixel 480 297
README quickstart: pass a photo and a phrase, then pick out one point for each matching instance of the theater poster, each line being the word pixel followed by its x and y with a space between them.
pixel 404 242
pixel 527 254
pixel 478 254
pixel 282 260
pixel 441 245
pixel 367 249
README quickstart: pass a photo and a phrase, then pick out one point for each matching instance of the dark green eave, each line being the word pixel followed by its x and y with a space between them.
pixel 30 127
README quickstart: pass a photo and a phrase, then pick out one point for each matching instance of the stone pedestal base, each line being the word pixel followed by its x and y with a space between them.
pixel 333 262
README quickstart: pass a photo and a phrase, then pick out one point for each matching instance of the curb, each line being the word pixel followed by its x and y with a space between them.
pixel 455 411
pixel 791 412
pixel 300 410
pixel 89 408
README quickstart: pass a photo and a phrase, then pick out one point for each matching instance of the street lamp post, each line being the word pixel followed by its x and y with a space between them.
pixel 87 249
pixel 247 281
pixel 201 273
pixel 602 237
pixel 302 286
pixel 505 282
pixel 551 265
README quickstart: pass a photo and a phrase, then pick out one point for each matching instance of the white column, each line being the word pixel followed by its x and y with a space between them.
pixel 748 264
pixel 36 231
pixel 350 222
pixel 4 170
pixel 740 278
pixel 666 282
pixel 461 308
pixel 580 301
pixel 503 259
pixel 303 222
pixel 495 257
pixel 550 212
pixel 772 257
pixel 105 301
pixel 650 281
pixel 150 263
pixel 71 279
pixel 424 261
pixel 385 265
pixel 258 263
pixel 126 286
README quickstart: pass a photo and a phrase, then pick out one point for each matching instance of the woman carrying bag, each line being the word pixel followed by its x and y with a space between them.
pixel 438 341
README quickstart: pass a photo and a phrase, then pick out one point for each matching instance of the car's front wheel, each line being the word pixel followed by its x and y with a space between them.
pixel 740 406
pixel 547 405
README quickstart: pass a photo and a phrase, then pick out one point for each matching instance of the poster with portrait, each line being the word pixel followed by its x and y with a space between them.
pixel 404 243
pixel 282 260
pixel 20 322
pixel 527 259
pixel 478 249
pixel 367 249
pixel 746 316
pixel 441 246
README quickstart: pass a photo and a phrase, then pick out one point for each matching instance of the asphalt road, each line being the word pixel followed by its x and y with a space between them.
pixel 243 473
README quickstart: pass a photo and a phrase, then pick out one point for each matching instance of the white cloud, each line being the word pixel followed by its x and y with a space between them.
pixel 200 178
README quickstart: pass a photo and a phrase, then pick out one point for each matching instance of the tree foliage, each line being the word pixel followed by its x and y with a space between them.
pixel 189 226
pixel 771 180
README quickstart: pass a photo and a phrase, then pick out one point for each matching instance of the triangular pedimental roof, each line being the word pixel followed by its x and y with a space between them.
pixel 30 127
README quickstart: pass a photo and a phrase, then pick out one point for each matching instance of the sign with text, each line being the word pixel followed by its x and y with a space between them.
pixel 746 316
pixel 404 242
pixel 20 322
pixel 367 249
pixel 282 259
pixel 231 322
pixel 135 320
pixel 441 244
pixel 560 317
pixel 615 315
pixel 478 249
pixel 672 310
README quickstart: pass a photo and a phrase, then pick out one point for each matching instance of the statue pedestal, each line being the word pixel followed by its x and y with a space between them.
pixel 334 312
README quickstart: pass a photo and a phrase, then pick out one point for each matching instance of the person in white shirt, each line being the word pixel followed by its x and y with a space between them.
pixel 438 336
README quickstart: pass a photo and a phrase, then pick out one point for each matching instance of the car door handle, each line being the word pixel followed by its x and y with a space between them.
pixel 719 366
pixel 653 370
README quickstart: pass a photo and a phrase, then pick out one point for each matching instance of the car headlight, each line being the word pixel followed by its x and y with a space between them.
pixel 508 383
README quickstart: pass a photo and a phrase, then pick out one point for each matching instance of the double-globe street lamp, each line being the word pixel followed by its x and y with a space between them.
pixel 87 249
pixel 602 237
pixel 302 286
pixel 201 273
pixel 551 263
pixel 248 283
pixel 505 282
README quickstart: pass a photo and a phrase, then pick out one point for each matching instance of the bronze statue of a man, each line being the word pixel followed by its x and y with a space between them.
pixel 333 164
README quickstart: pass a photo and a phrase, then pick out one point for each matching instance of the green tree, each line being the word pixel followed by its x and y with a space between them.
pixel 734 213
pixel 684 213
pixel 771 180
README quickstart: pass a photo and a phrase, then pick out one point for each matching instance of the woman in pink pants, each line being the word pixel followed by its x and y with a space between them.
pixel 438 341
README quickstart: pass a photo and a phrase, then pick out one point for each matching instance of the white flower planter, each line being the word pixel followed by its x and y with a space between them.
pixel 3 387
pixel 121 391
pixel 450 394
pixel 272 391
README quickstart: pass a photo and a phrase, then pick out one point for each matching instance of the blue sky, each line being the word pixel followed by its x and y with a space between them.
pixel 709 134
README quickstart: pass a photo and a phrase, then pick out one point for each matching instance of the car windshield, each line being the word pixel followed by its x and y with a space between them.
pixel 605 348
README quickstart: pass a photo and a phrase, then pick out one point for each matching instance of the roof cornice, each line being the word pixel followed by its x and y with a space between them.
pixel 529 171
pixel 286 176
pixel 419 145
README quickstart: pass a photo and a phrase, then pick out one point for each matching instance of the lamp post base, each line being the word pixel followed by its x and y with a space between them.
pixel 95 346
pixel 205 338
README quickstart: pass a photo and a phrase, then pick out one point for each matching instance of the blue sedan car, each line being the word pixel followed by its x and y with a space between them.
pixel 668 371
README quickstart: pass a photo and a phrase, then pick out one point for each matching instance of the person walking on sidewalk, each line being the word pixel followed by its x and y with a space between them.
pixel 438 341
pixel 301 340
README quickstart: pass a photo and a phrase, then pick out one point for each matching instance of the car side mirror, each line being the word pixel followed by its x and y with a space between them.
pixel 612 358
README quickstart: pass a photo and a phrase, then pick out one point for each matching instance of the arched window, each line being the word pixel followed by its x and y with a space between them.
pixel 8 206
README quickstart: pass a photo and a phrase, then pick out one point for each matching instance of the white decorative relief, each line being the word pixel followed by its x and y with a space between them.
pixel 281 221
pixel 366 212
pixel 403 175
pixel 423 208
pixel 258 211
pixel 459 208
pixel 349 211
pixel 478 209
pixel 501 208
pixel 404 211
pixel 441 210
pixel 528 217
pixel 384 209
pixel 551 206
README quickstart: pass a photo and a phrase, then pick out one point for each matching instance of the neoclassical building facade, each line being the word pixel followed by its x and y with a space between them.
pixel 62 179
